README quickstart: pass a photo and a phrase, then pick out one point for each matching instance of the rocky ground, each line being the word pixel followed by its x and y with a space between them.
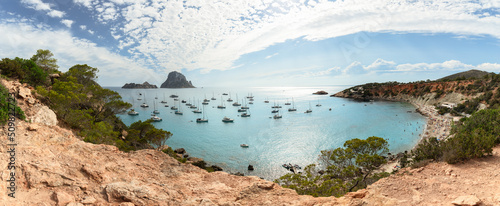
pixel 54 167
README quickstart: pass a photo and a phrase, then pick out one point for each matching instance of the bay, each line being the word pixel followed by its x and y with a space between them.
pixel 296 138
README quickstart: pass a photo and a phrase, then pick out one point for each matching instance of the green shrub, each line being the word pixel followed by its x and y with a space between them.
pixel 4 107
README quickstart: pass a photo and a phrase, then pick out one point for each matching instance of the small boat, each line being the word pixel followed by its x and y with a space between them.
pixel 224 93
pixel 229 100
pixel 202 120
pixel 245 115
pixel 178 112
pixel 244 145
pixel 166 105
pixel 213 96
pixel 221 106
pixel 173 108
pixel 227 119
pixel 242 110
pixel 163 101
pixel 250 96
pixel 144 105
pixel 275 111
pixel 293 109
pixel 155 111
pixel 173 96
pixel 193 107
pixel 176 99
pixel 204 103
pixel 287 103
pixel 156 118
pixel 183 101
pixel 196 111
pixel 309 110
pixel 277 116
pixel 132 112
pixel 245 107
pixel 236 104
pixel 250 102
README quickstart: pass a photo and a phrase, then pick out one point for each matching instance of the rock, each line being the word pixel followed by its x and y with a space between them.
pixel 176 80
pixel 126 192
pixel 216 168
pixel 24 92
pixel 88 200
pixel 144 85
pixel 74 204
pixel 185 155
pixel 468 200
pixel 31 101
pixel 32 127
pixel 239 174
pixel 266 185
pixel 62 198
pixel 44 115
pixel 358 194
pixel 180 151
pixel 321 92
pixel 250 167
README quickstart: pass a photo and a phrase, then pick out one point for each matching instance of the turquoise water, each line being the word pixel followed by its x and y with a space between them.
pixel 296 138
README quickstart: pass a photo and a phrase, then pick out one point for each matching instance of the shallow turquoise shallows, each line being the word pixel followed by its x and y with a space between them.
pixel 296 138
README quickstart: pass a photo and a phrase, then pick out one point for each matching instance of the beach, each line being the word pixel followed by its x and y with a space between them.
pixel 437 125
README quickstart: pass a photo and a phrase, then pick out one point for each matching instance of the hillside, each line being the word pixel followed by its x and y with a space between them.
pixel 55 167
pixel 471 74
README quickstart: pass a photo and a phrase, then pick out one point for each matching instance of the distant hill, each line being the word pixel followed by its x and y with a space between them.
pixel 144 85
pixel 176 80
pixel 471 74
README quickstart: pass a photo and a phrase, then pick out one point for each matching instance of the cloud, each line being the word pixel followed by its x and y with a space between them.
pixel 21 39
pixel 39 5
pixel 67 22
pixel 267 57
pixel 212 34
pixel 382 66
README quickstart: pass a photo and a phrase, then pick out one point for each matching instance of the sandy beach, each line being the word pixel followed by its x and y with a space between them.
pixel 438 126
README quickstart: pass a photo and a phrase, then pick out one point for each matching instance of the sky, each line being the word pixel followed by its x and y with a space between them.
pixel 246 43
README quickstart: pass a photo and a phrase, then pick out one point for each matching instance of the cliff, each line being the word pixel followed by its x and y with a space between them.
pixel 176 80
pixel 144 85
pixel 55 167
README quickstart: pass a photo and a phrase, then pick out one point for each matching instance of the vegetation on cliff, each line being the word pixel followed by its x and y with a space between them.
pixel 4 107
pixel 340 170
pixel 472 137
pixel 81 103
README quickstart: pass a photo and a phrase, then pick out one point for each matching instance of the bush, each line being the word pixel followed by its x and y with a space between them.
pixel 24 70
pixel 4 107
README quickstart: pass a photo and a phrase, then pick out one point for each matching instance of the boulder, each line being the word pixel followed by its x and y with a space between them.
pixel 126 192
pixel 468 200
pixel 216 168
pixel 44 115
pixel 24 92
pixel 250 167
pixel 180 151
pixel 62 198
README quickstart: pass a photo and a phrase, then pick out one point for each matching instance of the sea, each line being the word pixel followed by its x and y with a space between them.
pixel 296 138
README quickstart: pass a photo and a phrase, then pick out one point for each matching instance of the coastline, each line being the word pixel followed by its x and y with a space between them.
pixel 437 125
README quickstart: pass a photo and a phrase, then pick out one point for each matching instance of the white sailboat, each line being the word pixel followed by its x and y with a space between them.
pixel 227 119
pixel 163 101
pixel 221 106
pixel 293 109
pixel 144 105
pixel 156 118
pixel 178 112
pixel 155 111
pixel 202 120
pixel 277 116
pixel 309 110
pixel 318 105
pixel 213 96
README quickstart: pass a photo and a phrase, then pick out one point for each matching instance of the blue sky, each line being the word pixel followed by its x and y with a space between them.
pixel 258 42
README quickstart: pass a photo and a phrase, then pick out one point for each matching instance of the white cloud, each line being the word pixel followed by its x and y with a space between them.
pixel 67 22
pixel 39 5
pixel 23 39
pixel 213 34
pixel 83 27
pixel 383 66
pixel 267 57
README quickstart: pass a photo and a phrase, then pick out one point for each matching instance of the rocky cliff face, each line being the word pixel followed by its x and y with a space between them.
pixel 145 85
pixel 54 167
pixel 176 80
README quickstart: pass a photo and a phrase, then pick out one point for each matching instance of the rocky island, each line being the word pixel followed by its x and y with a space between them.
pixel 176 80
pixel 144 85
